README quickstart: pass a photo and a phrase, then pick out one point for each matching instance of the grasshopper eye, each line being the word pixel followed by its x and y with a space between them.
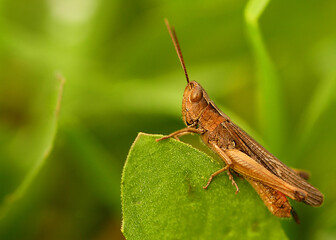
pixel 196 95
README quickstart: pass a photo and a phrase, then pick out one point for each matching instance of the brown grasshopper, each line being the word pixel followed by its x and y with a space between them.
pixel 271 178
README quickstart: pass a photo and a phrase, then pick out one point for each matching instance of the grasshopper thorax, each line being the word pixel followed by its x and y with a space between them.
pixel 194 102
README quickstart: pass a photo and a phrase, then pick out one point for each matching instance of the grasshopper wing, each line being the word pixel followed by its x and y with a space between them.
pixel 249 146
pixel 248 167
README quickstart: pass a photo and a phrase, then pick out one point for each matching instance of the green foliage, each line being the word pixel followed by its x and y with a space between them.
pixel 269 92
pixel 163 198
pixel 45 141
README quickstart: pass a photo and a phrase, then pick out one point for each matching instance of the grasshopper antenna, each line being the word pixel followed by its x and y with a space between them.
pixel 173 36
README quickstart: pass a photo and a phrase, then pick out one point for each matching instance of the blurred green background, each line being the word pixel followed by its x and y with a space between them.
pixel 123 76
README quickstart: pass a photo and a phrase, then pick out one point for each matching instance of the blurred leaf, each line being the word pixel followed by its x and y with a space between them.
pixel 319 102
pixel 163 198
pixel 326 225
pixel 270 99
pixel 95 163
pixel 254 9
pixel 322 97
pixel 45 148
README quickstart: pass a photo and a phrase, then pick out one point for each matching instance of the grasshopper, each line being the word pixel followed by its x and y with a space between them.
pixel 272 179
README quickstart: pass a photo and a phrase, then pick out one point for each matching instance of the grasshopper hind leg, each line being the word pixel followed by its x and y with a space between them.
pixel 295 216
pixel 232 180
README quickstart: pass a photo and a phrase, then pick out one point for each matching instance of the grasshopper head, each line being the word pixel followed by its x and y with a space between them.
pixel 194 102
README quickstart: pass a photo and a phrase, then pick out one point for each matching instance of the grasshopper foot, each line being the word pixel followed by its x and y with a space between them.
pixel 233 181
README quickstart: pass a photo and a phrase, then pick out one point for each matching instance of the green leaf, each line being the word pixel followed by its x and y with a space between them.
pixel 163 198
pixel 46 143
pixel 96 164
pixel 271 109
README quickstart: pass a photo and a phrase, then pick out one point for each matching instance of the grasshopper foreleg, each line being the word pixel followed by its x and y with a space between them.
pixel 181 132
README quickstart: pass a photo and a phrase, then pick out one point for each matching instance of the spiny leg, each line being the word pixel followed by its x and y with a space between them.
pixel 233 181
pixel 215 174
pixel 227 167
pixel 181 132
